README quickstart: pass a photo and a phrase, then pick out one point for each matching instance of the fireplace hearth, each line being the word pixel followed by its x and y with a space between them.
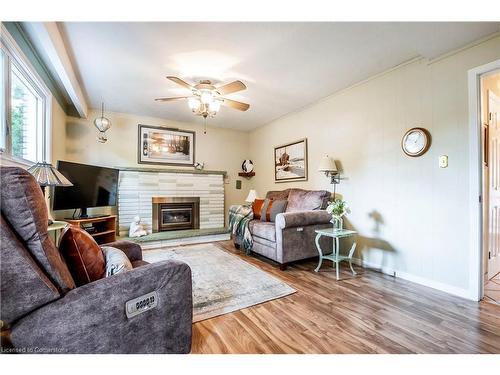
pixel 176 213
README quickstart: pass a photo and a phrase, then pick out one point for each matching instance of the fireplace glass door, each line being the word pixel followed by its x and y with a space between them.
pixel 176 216
pixel 175 213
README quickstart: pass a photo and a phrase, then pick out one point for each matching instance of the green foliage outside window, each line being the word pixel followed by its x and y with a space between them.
pixel 17 123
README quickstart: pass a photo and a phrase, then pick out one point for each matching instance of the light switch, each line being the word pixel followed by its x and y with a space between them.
pixel 443 161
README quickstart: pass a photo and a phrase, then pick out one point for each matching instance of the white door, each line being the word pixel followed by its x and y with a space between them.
pixel 494 184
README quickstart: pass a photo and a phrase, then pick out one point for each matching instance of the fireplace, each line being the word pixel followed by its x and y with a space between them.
pixel 176 213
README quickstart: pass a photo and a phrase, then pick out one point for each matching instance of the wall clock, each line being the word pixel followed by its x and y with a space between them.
pixel 416 142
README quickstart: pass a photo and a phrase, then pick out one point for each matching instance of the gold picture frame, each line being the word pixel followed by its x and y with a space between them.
pixel 290 161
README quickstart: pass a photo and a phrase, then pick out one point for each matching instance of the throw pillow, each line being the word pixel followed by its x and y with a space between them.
pixel 271 208
pixel 257 208
pixel 83 255
pixel 305 200
pixel 116 261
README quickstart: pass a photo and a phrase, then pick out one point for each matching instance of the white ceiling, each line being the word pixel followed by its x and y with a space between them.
pixel 284 65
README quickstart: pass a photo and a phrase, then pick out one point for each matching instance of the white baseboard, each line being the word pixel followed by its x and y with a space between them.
pixel 373 266
pixel 459 292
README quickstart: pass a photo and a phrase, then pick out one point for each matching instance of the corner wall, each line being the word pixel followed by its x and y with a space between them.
pixel 412 216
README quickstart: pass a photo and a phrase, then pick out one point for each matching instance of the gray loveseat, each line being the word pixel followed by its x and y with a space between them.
pixel 291 237
pixel 41 309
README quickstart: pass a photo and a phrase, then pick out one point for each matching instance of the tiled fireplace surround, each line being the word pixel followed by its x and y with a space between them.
pixel 138 187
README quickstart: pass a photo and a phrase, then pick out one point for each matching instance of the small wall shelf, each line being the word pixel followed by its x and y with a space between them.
pixel 246 174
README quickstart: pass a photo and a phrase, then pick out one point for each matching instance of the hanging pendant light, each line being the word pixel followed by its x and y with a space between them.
pixel 102 137
pixel 102 124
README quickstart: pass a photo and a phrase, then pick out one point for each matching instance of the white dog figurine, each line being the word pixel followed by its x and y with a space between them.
pixel 136 228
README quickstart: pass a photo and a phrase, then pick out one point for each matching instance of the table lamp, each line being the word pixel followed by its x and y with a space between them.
pixel 46 175
pixel 251 197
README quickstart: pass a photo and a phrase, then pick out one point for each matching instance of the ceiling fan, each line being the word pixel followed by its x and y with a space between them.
pixel 205 99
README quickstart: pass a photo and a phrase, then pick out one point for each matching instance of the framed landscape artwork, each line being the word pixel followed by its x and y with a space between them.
pixel 158 145
pixel 290 161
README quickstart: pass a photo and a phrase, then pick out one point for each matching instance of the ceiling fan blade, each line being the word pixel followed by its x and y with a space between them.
pixel 231 87
pixel 180 82
pixel 236 105
pixel 171 99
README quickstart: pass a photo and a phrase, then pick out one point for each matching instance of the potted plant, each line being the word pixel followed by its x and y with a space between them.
pixel 338 209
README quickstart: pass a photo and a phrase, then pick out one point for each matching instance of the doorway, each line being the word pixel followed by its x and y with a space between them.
pixel 490 151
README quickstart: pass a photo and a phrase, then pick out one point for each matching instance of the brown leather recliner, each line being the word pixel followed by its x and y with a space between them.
pixel 43 311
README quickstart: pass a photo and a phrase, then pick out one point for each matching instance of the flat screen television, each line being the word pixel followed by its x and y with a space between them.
pixel 93 186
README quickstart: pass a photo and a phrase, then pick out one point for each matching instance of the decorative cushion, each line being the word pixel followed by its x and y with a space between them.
pixel 278 194
pixel 24 209
pixel 83 255
pixel 305 200
pixel 116 261
pixel 257 208
pixel 271 208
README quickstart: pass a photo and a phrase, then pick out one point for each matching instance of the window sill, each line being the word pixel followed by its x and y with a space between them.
pixel 11 161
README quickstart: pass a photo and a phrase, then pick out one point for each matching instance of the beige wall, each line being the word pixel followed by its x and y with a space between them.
pixel 58 147
pixel 412 216
pixel 220 149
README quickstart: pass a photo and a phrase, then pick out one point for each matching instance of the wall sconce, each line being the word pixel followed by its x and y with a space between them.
pixel 329 168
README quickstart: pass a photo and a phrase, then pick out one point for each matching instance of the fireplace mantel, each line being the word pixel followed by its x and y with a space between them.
pixel 172 170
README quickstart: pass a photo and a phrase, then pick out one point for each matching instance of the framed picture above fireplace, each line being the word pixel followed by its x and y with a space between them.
pixel 166 146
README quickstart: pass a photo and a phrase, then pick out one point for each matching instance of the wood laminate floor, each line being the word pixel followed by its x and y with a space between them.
pixel 369 313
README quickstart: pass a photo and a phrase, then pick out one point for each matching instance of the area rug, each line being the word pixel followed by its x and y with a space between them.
pixel 222 282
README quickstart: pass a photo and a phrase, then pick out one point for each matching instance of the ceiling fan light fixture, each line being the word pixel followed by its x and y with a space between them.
pixel 194 104
pixel 214 106
pixel 207 97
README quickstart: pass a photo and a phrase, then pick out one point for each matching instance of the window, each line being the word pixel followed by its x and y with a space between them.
pixel 25 104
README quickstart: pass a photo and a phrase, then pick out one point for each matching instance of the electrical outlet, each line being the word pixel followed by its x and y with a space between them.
pixel 443 161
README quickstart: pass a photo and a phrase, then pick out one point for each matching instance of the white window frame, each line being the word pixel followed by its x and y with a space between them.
pixel 14 55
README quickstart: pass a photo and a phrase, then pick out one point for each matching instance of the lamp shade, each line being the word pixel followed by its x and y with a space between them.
pixel 46 175
pixel 252 196
pixel 327 165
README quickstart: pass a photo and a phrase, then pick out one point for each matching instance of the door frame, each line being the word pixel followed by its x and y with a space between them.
pixel 476 283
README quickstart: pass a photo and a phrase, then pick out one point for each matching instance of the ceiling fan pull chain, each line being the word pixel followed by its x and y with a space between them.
pixel 205 125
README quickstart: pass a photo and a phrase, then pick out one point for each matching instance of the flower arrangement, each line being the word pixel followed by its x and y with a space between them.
pixel 337 209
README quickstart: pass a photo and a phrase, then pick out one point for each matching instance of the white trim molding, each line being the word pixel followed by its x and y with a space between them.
pixel 476 291
pixel 48 40
pixel 446 288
